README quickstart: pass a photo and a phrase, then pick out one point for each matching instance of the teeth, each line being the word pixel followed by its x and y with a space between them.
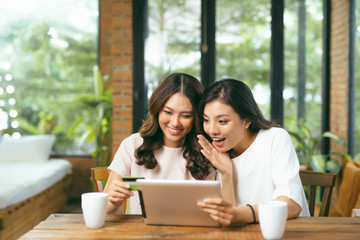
pixel 218 139
pixel 173 130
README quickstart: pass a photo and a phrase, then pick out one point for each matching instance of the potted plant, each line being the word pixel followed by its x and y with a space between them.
pixel 308 150
pixel 99 131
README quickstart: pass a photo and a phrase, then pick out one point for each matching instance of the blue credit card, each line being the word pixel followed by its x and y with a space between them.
pixel 132 182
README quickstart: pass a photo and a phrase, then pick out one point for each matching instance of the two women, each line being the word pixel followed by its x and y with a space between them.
pixel 255 159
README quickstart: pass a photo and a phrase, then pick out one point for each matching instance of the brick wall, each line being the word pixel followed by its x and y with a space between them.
pixel 115 43
pixel 116 56
pixel 339 72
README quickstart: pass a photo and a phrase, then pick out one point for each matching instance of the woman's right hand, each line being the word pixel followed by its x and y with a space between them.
pixel 223 164
pixel 118 191
pixel 220 160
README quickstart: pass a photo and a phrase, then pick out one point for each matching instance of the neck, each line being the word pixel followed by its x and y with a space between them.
pixel 248 138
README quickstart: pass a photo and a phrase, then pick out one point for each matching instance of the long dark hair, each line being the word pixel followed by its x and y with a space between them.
pixel 238 95
pixel 152 134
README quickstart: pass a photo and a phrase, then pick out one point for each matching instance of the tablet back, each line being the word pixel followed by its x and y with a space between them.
pixel 174 202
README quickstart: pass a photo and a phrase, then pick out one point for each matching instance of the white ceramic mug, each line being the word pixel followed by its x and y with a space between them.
pixel 94 207
pixel 356 212
pixel 272 218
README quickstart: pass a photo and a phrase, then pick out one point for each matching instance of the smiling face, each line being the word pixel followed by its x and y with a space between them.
pixel 176 120
pixel 226 128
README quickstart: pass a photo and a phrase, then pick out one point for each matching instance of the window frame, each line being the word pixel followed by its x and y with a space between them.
pixel 208 61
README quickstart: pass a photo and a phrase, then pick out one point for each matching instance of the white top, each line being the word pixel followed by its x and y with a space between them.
pixel 171 165
pixel 269 168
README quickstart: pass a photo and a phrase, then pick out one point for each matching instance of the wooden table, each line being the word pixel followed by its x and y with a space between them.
pixel 72 226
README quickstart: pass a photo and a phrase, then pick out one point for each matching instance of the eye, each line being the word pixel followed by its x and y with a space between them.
pixel 205 120
pixel 223 122
pixel 187 116
pixel 167 112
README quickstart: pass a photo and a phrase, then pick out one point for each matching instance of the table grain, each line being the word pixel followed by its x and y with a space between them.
pixel 72 226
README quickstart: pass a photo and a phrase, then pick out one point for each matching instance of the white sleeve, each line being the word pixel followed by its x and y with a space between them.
pixel 125 155
pixel 285 168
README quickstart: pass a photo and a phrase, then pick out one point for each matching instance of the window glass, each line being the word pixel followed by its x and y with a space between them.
pixel 47 53
pixel 243 36
pixel 173 41
pixel 309 69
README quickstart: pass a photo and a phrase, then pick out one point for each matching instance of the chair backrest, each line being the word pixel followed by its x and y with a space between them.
pixel 315 179
pixel 98 175
pixel 349 190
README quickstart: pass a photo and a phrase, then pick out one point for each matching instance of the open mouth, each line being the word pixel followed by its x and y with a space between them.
pixel 218 141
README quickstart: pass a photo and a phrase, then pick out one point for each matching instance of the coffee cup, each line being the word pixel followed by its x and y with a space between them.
pixel 272 218
pixel 94 207
pixel 356 212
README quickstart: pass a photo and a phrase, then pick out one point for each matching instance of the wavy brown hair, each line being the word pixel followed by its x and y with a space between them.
pixel 152 134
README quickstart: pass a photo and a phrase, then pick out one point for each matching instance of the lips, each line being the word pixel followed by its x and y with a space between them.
pixel 173 131
pixel 218 141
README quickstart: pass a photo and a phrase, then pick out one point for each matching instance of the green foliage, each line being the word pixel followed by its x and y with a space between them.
pixel 100 130
pixel 48 76
pixel 308 149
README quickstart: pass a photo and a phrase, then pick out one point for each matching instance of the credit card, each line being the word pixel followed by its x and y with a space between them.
pixel 132 182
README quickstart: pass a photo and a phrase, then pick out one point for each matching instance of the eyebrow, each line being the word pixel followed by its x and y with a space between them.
pixel 218 116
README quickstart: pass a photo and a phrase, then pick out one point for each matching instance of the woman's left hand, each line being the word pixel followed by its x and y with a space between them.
pixel 219 209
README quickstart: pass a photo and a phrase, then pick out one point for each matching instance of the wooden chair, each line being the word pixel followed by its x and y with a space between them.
pixel 315 179
pixel 349 191
pixel 99 175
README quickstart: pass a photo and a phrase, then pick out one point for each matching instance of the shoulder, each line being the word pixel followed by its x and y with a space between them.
pixel 134 140
pixel 274 133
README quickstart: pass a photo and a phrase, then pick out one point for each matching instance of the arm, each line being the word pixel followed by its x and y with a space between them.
pixel 118 191
pixel 223 164
pixel 223 212
pixel 288 187
pixel 294 209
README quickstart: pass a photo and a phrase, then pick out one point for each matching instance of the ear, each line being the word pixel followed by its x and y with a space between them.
pixel 247 123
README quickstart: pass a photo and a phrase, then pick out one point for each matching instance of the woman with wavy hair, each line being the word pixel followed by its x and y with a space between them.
pixel 166 146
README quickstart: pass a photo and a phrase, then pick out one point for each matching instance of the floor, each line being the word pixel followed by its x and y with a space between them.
pixel 73 206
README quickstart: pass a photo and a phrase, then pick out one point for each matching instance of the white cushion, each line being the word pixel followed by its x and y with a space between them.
pixel 35 148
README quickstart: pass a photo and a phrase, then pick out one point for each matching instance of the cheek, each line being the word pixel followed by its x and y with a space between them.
pixel 188 123
pixel 162 117
pixel 206 128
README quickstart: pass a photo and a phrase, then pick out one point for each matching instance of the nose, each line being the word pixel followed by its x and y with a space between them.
pixel 175 120
pixel 212 129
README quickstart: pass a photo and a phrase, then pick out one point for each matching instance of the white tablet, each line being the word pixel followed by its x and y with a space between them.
pixel 174 202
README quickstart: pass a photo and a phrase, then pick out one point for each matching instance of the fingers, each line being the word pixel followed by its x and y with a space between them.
pixel 208 150
pixel 204 143
pixel 119 191
pixel 224 220
pixel 218 209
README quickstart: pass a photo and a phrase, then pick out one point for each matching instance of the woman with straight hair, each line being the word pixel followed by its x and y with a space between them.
pixel 166 146
pixel 255 159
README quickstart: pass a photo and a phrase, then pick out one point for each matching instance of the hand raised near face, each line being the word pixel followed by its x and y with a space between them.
pixel 220 160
